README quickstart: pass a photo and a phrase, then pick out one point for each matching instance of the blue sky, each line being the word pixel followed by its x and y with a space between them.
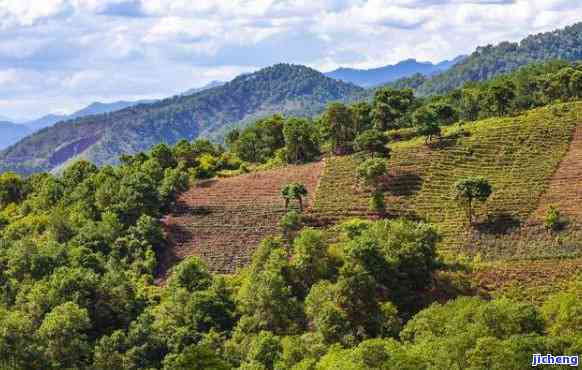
pixel 60 55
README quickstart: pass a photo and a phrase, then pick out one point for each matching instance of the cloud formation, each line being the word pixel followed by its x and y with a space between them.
pixel 63 54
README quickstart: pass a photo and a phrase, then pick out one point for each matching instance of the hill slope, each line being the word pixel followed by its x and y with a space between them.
pixel 93 108
pixel 223 220
pixel 103 138
pixel 519 155
pixel 489 61
pixel 382 75
pixel 524 157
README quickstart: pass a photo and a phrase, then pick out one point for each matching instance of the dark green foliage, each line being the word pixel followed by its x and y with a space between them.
pixel 340 127
pixel 301 140
pixel 11 188
pixel 470 189
pixel 373 142
pixel 490 61
pixel 390 108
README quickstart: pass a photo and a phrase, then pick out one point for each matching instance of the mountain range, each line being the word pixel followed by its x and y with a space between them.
pixel 389 73
pixel 102 138
pixel 283 88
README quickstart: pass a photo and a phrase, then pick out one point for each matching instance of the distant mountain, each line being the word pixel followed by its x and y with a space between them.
pixel 11 133
pixel 102 138
pixel 209 85
pixel 45 121
pixel 383 75
pixel 489 61
pixel 94 108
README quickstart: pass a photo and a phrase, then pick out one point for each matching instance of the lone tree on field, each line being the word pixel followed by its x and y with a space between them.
pixel 370 173
pixel 469 189
pixel 294 191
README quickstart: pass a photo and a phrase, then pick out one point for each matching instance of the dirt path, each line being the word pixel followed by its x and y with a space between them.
pixel 565 187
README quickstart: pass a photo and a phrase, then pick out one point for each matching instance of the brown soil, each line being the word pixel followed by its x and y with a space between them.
pixel 223 220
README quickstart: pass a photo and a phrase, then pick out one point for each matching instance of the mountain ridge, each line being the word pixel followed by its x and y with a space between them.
pixel 103 138
pixel 382 75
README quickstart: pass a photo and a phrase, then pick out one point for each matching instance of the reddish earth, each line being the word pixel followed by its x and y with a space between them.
pixel 223 220
pixel 565 188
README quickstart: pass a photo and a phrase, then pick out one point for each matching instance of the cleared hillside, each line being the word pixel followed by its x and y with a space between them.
pixel 222 221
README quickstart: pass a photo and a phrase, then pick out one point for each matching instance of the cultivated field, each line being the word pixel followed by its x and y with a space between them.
pixel 223 220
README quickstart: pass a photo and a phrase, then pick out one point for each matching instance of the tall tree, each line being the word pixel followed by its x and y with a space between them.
pixel 390 106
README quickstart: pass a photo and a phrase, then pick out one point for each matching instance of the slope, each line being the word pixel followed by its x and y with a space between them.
pixel 103 138
pixel 223 220
pixel 519 155
pixel 489 61
pixel 11 132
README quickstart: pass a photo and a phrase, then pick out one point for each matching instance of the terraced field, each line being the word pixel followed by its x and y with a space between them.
pixel 222 221
pixel 518 155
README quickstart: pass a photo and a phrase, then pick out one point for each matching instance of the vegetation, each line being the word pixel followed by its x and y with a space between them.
pixel 103 138
pixel 470 189
pixel 123 266
pixel 490 61
pixel 294 191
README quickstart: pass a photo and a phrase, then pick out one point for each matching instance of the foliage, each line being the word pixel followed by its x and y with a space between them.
pixel 294 191
pixel 470 189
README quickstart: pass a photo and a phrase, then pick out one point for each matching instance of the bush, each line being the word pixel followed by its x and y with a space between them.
pixel 553 219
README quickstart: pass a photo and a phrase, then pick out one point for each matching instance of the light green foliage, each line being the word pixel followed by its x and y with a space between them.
pixel 294 191
pixel 553 219
pixel 191 274
pixel 371 171
pixel 63 334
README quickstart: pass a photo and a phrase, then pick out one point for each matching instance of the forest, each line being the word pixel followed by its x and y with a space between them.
pixel 79 256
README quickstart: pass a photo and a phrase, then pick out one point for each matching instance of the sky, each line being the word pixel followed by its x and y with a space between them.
pixel 57 56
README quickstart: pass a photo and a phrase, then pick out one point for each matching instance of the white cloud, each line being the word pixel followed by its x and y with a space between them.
pixel 76 51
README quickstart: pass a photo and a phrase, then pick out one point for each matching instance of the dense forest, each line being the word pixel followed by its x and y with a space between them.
pixel 80 252
pixel 489 61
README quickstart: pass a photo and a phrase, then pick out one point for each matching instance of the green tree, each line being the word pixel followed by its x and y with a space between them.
pixel 500 96
pixel 63 333
pixel 294 191
pixel 340 127
pixel 426 120
pixel 362 116
pixel 374 142
pixel 11 188
pixel 390 106
pixel 469 189
pixel 301 140
pixel 370 173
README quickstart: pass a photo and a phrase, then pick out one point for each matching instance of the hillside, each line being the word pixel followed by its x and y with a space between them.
pixel 378 76
pixel 225 233
pixel 103 138
pixel 532 161
pixel 489 61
